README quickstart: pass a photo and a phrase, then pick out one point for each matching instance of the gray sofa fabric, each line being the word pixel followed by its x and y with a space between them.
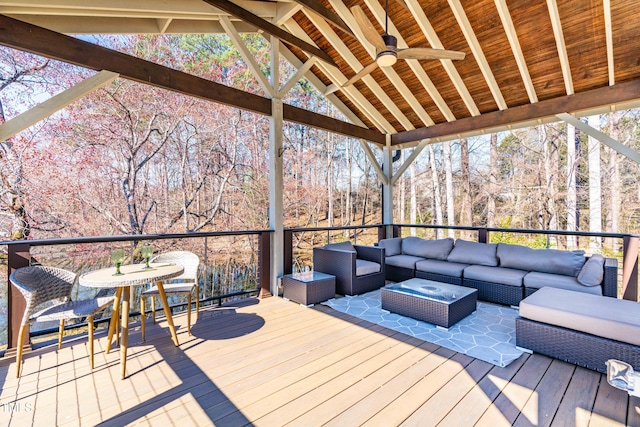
pixel 611 318
pixel 593 271
pixel 503 276
pixel 431 249
pixel 404 261
pixel 364 267
pixel 474 253
pixel 536 280
pixel 551 261
pixel 446 268
pixel 392 246
pixel 501 272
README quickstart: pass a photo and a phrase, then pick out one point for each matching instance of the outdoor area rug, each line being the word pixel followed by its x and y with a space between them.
pixel 488 334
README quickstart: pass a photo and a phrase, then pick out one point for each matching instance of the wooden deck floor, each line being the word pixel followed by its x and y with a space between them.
pixel 273 363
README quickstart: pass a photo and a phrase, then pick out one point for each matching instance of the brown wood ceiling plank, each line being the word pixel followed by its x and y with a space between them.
pixel 328 15
pixel 269 28
pixel 595 98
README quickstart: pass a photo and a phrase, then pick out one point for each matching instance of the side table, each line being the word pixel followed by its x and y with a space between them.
pixel 309 288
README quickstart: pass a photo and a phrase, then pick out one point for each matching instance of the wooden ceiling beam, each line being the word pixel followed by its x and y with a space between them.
pixel 512 36
pixel 609 37
pixel 610 95
pixel 40 41
pixel 561 45
pixel 269 28
pixel 478 54
pixel 434 41
pixel 328 15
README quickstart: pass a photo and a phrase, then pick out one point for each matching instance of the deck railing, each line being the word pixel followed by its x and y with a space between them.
pixel 27 252
pixel 298 244
pixel 622 246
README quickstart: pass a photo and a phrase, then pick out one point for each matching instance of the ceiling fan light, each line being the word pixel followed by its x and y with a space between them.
pixel 386 59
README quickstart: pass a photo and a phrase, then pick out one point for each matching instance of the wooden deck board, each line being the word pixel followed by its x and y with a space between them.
pixel 272 362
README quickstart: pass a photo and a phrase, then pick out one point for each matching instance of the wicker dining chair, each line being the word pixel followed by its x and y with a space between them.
pixel 184 284
pixel 41 284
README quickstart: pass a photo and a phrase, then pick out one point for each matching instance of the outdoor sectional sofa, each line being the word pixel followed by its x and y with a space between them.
pixel 502 273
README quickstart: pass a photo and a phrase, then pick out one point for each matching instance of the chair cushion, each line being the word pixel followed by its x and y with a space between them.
pixel 537 280
pixel 592 272
pixel 366 267
pixel 466 252
pixel 503 276
pixel 606 317
pixel 431 249
pixel 445 268
pixel 404 261
pixel 392 246
pixel 551 261
pixel 342 246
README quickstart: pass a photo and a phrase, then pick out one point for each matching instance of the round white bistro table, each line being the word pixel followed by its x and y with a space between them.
pixel 132 275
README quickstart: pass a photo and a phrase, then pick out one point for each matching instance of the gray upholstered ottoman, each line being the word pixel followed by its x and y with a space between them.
pixel 580 328
pixel 309 288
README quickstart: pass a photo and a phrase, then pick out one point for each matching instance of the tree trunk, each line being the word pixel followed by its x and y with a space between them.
pixel 451 220
pixel 466 209
pixel 493 180
pixel 572 204
pixel 595 192
pixel 436 189
pixel 614 180
pixel 413 213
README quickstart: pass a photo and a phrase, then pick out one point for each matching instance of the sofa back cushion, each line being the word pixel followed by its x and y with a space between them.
pixel 467 252
pixel 391 247
pixel 550 261
pixel 592 272
pixel 431 249
pixel 342 246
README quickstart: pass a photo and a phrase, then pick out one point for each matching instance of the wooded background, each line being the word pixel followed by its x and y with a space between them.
pixel 133 159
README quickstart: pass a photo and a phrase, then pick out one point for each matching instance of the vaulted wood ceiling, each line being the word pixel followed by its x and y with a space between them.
pixel 526 60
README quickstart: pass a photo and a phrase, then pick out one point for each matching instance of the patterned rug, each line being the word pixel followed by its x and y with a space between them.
pixel 487 334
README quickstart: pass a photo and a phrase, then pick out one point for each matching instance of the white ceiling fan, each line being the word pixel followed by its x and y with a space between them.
pixel 387 52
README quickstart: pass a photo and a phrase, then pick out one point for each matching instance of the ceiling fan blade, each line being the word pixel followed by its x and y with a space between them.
pixel 365 71
pixel 368 30
pixel 428 53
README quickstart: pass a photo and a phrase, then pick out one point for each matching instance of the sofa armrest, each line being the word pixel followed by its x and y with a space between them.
pixel 341 264
pixel 610 281
pixel 371 253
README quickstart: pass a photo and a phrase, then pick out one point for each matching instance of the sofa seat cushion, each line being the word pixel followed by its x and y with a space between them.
pixel 503 276
pixel 364 267
pixel 431 249
pixel 551 261
pixel 404 261
pixel 453 269
pixel 605 317
pixel 391 246
pixel 537 280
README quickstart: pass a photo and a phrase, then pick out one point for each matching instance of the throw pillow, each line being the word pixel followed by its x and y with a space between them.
pixel 592 272
pixel 391 246
pixel 466 252
pixel 431 249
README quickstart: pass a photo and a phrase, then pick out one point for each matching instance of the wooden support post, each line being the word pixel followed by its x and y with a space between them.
pixel 630 268
pixel 288 251
pixel 483 235
pixel 18 256
pixel 264 264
